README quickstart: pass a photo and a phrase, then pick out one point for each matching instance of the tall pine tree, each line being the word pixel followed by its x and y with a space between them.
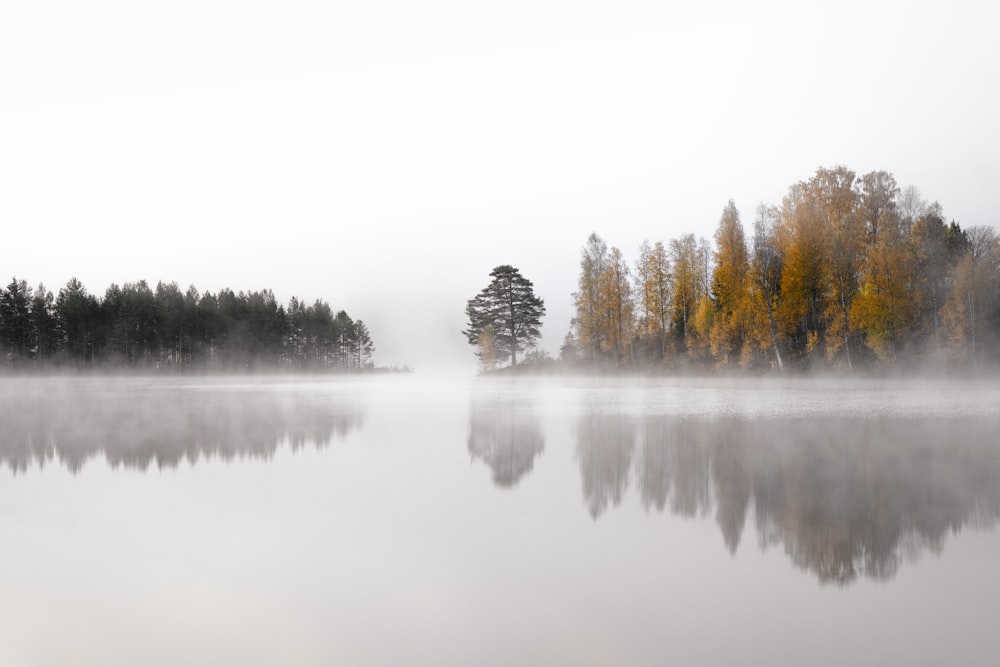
pixel 509 308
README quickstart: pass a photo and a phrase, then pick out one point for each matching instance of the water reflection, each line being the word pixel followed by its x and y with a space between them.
pixel 136 426
pixel 845 498
pixel 507 436
pixel 604 450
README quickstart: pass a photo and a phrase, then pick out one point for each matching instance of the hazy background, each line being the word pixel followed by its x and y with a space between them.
pixel 385 156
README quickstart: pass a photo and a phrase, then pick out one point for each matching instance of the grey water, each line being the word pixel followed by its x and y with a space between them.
pixel 389 520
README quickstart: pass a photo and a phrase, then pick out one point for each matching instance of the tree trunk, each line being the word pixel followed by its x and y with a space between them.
pixel 847 343
pixel 774 335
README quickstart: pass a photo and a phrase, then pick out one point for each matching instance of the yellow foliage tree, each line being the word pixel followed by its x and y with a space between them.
pixel 689 284
pixel 801 242
pixel 617 314
pixel 486 349
pixel 588 298
pixel 729 288
pixel 652 282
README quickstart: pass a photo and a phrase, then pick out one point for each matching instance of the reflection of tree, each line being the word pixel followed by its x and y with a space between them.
pixel 137 425
pixel 844 497
pixel 604 449
pixel 850 498
pixel 654 464
pixel 506 437
pixel 732 488
pixel 673 463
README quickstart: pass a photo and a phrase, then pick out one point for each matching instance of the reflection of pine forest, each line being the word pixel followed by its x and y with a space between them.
pixel 134 326
pixel 130 426
pixel 848 272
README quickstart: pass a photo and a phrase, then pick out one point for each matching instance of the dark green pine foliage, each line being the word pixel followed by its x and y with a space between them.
pixel 77 321
pixel 15 317
pixel 43 325
pixel 135 326
pixel 509 309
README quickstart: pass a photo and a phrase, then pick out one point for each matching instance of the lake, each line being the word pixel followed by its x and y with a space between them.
pixel 388 520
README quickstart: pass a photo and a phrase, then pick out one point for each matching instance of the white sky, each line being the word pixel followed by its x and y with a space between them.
pixel 385 156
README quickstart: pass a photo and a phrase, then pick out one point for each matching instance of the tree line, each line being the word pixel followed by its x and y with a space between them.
pixel 136 326
pixel 846 272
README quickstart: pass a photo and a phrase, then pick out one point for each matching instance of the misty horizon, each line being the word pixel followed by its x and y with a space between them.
pixel 364 143
pixel 849 271
pixel 701 304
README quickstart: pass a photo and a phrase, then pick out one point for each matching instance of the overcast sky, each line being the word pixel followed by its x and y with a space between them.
pixel 385 156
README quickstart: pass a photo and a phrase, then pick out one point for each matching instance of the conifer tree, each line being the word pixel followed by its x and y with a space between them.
pixel 508 306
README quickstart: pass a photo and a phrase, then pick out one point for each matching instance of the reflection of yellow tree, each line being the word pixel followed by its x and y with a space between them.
pixel 844 498
pixel 653 465
pixel 673 464
pixel 692 494
pixel 732 488
pixel 847 498
pixel 506 438
pixel 604 450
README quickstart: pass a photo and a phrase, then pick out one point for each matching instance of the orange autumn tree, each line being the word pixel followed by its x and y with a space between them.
pixel 801 242
pixel 652 285
pixel 848 272
pixel 884 307
pixel 730 298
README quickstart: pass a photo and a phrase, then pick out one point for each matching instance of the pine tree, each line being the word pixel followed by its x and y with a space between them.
pixel 15 318
pixel 509 307
pixel 43 323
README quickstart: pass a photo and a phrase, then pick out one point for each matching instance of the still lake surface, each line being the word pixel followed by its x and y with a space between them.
pixel 391 520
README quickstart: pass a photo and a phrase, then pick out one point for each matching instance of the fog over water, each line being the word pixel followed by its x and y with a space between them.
pixel 450 520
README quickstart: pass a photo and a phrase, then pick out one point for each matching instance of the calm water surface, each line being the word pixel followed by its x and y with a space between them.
pixel 456 521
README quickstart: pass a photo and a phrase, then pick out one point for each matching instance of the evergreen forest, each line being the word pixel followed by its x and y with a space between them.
pixel 134 326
